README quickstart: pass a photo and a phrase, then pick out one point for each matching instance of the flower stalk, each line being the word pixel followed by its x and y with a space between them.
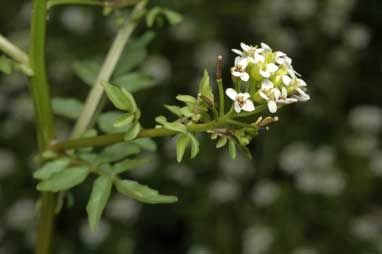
pixel 44 118
pixel 96 97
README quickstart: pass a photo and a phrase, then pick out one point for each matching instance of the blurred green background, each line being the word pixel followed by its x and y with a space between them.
pixel 314 186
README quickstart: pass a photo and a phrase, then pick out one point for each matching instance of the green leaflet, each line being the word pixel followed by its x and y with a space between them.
pixel 186 98
pixel 146 144
pixel 174 126
pixel 181 145
pixel 98 199
pixel 65 179
pixel 133 132
pixel 123 120
pixel 106 122
pixel 174 109
pixel 142 193
pixel 87 70
pixel 118 96
pixel 205 87
pixel 222 142
pixel 134 81
pixel 67 107
pixel 50 168
pixel 6 65
pixel 232 147
pixel 118 152
pixel 128 164
pixel 194 145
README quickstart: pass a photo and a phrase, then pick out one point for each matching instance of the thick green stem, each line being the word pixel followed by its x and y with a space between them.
pixel 94 101
pixel 44 118
pixel 109 139
pixel 13 51
pixel 53 3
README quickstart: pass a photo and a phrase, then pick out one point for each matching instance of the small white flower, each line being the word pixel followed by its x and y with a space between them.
pixel 268 69
pixel 284 97
pixel 266 47
pixel 286 80
pixel 271 94
pixel 282 58
pixel 253 53
pixel 242 101
pixel 239 69
pixel 302 95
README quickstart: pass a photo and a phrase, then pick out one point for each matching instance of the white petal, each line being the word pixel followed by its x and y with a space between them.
pixel 259 58
pixel 264 96
pixel 237 60
pixel 265 47
pixel 286 80
pixel 248 106
pixel 276 93
pixel 237 74
pixel 243 63
pixel 303 96
pixel 236 51
pixel 245 47
pixel 244 76
pixel 245 95
pixel 284 92
pixel 266 84
pixel 264 74
pixel 231 93
pixel 280 54
pixel 301 82
pixel 272 106
pixel 237 107
pixel 271 67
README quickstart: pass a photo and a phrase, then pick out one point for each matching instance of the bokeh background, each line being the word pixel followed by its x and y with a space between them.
pixel 314 185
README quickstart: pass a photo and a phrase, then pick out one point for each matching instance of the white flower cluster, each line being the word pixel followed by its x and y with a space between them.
pixel 268 77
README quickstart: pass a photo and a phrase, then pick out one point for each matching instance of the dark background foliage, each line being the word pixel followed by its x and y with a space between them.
pixel 315 182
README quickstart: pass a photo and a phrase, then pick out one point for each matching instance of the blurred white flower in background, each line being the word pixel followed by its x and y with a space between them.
pixel 329 182
pixel 182 174
pixel 257 239
pixel 376 163
pixel 94 239
pixel 295 157
pixel 199 249
pixel 305 250
pixel 185 31
pixel 361 145
pixel 123 209
pixel 316 171
pixel 21 215
pixel 240 168
pixel 305 9
pixel 158 67
pixel 366 119
pixel 7 163
pixel 223 190
pixel 77 20
pixel 357 36
pixel 265 193
pixel 368 227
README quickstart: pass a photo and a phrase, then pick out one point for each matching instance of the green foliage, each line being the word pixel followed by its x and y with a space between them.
pixel 106 122
pixel 232 148
pixel 51 168
pixel 133 131
pixel 174 126
pixel 67 107
pixel 142 193
pixel 87 70
pixel 146 144
pixel 134 81
pixel 120 97
pixel 6 65
pixel 124 120
pixel 117 152
pixel 128 164
pixel 98 199
pixel 64 179
pixel 156 14
pixel 181 144
pixel 205 87
pixel 222 142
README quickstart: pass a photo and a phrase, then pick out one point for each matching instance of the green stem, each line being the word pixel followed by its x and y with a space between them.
pixel 258 109
pixel 13 51
pixel 109 139
pixel 53 3
pixel 44 118
pixel 221 96
pixel 96 96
